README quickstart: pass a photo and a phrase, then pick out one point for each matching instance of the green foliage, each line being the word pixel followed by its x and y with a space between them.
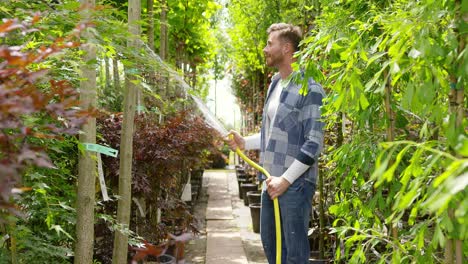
pixel 45 233
pixel 34 110
pixel 174 147
pixel 363 48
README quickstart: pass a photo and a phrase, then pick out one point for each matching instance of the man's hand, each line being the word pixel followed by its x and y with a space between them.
pixel 235 140
pixel 276 186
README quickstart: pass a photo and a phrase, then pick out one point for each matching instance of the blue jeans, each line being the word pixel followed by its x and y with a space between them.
pixel 295 209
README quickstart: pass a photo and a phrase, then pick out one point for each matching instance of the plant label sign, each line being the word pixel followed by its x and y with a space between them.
pixel 101 149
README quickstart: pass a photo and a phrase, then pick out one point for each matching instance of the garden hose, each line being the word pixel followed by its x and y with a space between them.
pixel 275 204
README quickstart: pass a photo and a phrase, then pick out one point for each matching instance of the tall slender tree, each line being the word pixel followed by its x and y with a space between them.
pixel 150 8
pixel 126 142
pixel 87 160
pixel 163 47
pixel 456 98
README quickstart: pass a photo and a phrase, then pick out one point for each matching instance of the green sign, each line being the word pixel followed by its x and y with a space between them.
pixel 141 108
pixel 101 149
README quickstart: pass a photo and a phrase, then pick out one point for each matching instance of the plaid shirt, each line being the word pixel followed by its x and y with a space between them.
pixel 297 131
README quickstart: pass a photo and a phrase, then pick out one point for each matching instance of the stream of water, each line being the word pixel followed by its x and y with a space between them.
pixel 210 118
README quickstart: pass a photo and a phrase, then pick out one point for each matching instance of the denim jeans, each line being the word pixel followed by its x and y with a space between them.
pixel 295 209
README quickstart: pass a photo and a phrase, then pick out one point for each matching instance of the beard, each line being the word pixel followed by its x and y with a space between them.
pixel 273 60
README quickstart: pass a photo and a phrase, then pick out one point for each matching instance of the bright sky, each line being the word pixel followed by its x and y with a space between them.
pixel 227 110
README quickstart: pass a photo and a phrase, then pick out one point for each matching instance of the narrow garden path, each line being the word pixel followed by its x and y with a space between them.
pixel 227 235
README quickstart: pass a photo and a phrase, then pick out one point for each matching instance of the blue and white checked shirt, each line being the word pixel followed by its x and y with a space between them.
pixel 297 131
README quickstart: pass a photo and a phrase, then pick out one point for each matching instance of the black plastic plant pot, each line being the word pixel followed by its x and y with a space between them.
pixel 243 176
pixel 247 187
pixel 166 259
pixel 254 197
pixel 255 214
pixel 314 258
pixel 318 261
pixel 239 182
pixel 240 173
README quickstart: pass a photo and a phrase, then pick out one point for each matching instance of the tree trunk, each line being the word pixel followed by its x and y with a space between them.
pixel 13 246
pixel 115 70
pixel 321 189
pixel 126 143
pixel 151 76
pixel 194 75
pixel 389 110
pixel 163 36
pixel 390 128
pixel 163 49
pixel 215 98
pixel 150 6
pixel 108 76
pixel 456 98
pixel 87 161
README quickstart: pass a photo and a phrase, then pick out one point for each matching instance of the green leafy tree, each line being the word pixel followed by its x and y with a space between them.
pixel 387 65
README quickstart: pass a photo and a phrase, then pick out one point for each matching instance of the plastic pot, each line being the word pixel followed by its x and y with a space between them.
pixel 254 197
pixel 239 182
pixel 163 259
pixel 247 187
pixel 255 214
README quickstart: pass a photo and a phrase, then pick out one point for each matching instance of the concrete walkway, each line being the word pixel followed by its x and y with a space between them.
pixel 224 243
pixel 229 236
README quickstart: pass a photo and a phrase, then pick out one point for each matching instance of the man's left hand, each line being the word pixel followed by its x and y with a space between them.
pixel 276 186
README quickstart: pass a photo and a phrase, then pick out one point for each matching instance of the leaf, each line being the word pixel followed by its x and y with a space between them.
pixel 388 174
pixel 381 167
pixel 395 68
pixel 438 239
pixel 408 199
pixel 67 207
pixel 462 146
pixel 375 57
pixel 420 237
pixel 376 77
pixel 59 230
pixel 413 215
pixel 414 53
pixel 339 100
pixel 363 101
pixel 451 169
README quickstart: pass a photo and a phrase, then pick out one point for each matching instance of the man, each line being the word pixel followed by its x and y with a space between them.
pixel 290 142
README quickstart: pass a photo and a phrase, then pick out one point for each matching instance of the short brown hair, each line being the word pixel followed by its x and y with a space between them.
pixel 287 32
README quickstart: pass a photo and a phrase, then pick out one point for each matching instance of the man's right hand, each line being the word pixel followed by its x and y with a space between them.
pixel 235 140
